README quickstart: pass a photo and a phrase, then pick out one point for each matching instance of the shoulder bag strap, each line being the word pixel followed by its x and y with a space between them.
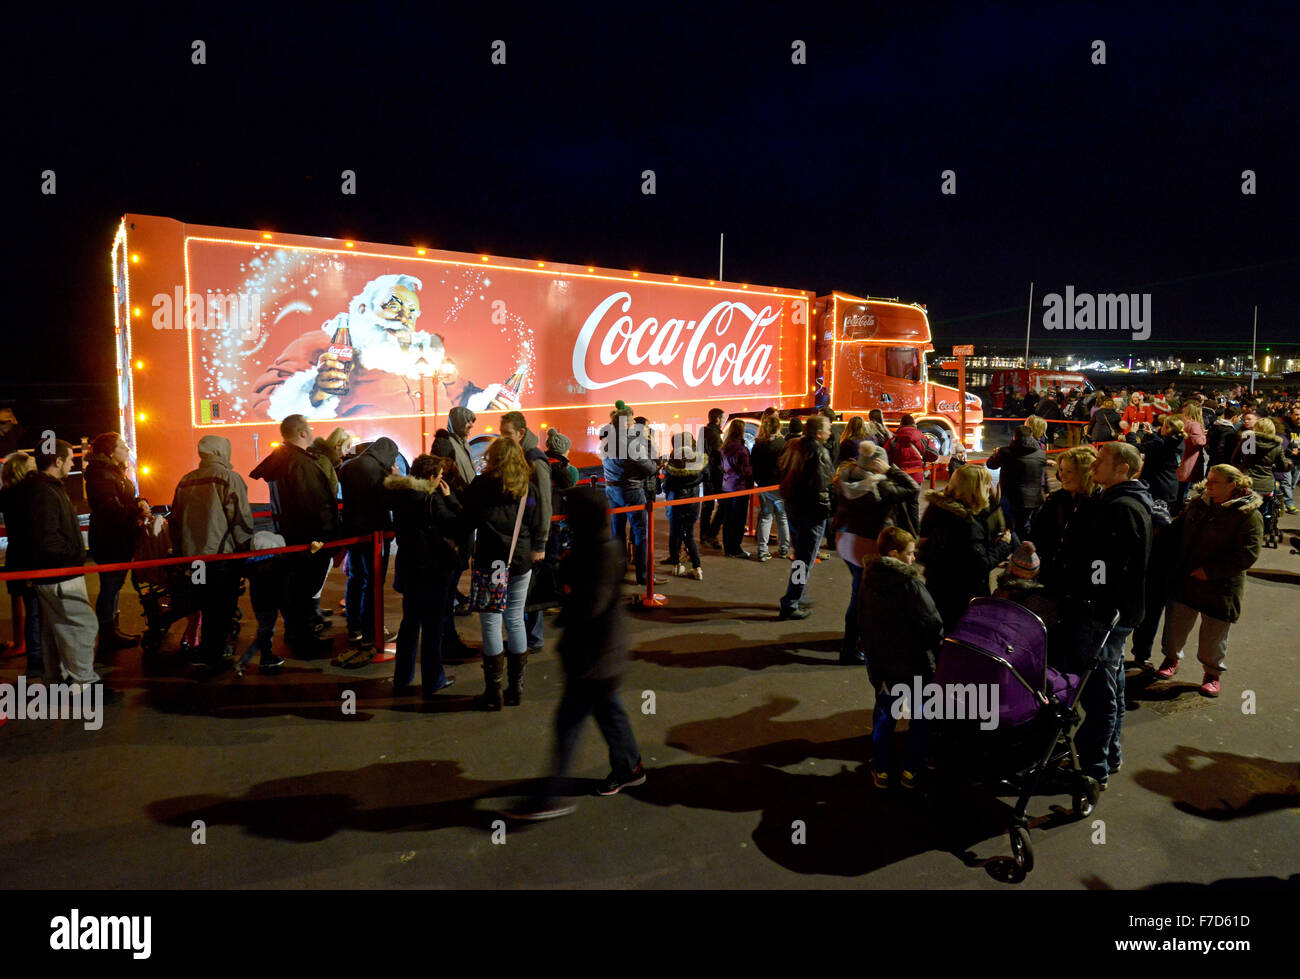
pixel 519 522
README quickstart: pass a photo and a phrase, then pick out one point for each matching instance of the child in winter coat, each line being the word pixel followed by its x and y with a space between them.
pixel 901 630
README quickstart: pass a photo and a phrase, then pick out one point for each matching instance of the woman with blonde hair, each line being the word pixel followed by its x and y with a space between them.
pixel 1214 541
pixel 958 546
pixel 502 507
pixel 1192 467
pixel 1052 521
pixel 1038 428
pixel 19 466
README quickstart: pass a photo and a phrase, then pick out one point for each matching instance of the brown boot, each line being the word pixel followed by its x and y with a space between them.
pixel 493 670
pixel 515 686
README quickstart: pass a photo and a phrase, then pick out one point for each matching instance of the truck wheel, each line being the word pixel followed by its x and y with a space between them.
pixel 478 451
pixel 938 437
pixel 751 433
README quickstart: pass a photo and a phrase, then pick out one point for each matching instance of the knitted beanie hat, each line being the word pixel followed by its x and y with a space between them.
pixel 1025 562
pixel 557 443
pixel 622 408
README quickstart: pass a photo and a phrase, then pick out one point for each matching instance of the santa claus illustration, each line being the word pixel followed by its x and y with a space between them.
pixel 374 366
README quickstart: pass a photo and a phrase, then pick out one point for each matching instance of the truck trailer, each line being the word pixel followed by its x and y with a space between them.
pixel 228 331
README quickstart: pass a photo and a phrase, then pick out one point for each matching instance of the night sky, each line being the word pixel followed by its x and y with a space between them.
pixel 1117 177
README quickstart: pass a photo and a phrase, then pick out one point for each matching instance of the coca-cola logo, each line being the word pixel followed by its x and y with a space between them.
pixel 688 347
pixel 859 320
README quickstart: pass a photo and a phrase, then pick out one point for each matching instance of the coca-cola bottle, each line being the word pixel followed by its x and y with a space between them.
pixel 515 383
pixel 340 349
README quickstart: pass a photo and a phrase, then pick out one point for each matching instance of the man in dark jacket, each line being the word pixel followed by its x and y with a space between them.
pixel 711 443
pixel 1221 436
pixel 365 510
pixel 210 515
pixel 1022 463
pixel 1107 573
pixel 626 456
pixel 305 511
pixel 806 488
pixel 52 539
pixel 1214 541
pixel 113 512
pixel 593 649
pixel 1161 455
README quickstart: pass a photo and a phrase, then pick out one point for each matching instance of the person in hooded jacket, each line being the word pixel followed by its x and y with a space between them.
pixel 593 650
pixel 365 510
pixel 868 494
pixel 1162 454
pixel 1107 568
pixel 1022 464
pixel 1261 456
pixel 1215 540
pixel 113 509
pixel 764 460
pixel 1192 465
pixel 210 515
pixel 737 474
pixel 901 630
pixel 305 511
pixel 427 519
pixel 958 547
pixel 454 444
pixel 1221 437
pixel 625 452
pixel 711 445
pixel 684 477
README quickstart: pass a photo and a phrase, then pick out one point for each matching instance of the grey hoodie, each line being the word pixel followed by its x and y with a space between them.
pixel 210 512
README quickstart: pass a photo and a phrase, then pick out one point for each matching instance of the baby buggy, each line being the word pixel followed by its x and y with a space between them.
pixel 167 594
pixel 1030 751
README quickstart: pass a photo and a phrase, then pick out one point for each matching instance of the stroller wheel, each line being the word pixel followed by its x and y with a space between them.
pixel 1022 851
pixel 1085 797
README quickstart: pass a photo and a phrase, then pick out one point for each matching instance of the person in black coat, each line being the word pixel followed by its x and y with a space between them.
pixel 1022 464
pixel 26 617
pixel 365 510
pixel 1052 522
pixel 958 545
pixel 113 511
pixel 427 520
pixel 901 630
pixel 711 444
pixel 1161 456
pixel 806 477
pixel 305 511
pixel 593 649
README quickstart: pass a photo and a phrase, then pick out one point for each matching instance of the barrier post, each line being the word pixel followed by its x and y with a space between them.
pixel 382 653
pixel 651 599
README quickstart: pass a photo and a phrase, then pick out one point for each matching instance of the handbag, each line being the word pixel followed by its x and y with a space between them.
pixel 487 591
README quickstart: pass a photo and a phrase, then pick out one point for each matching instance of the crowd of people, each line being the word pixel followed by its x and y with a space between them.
pixel 1159 518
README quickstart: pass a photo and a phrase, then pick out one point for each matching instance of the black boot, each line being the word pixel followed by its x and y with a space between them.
pixel 493 669
pixel 515 682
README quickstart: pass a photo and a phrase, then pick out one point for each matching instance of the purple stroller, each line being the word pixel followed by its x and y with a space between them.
pixel 1001 647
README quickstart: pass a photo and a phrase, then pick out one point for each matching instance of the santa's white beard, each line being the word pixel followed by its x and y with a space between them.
pixel 378 350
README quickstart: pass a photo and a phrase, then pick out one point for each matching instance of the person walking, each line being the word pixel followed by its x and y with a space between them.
pixel 210 515
pixel 764 460
pixel 1215 540
pixel 502 507
pixel 806 475
pixel 426 519
pixel 737 474
pixel 593 650
pixel 1022 464
pixel 958 546
pixel 113 508
pixel 684 476
pixel 305 512
pixel 868 493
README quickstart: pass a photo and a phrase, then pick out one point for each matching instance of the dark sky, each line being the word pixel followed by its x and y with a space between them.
pixel 1117 177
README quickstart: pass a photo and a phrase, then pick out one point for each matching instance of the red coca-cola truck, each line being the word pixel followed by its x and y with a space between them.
pixel 228 331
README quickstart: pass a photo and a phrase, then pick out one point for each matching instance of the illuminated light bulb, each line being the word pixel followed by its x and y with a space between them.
pixel 711 282
pixel 275 445
pixel 541 265
pixel 266 235
pixel 419 251
pixel 674 278
pixel 348 244
pixel 489 428
pixel 591 268
pixel 142 416
pixel 483 258
pixel 636 275
pixel 144 470
pixel 137 311
pixel 135 258
pixel 139 365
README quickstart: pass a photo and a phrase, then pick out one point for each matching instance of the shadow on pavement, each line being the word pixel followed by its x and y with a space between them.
pixel 732 651
pixel 1221 786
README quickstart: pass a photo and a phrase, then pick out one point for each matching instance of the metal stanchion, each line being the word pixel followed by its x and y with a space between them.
pixel 651 599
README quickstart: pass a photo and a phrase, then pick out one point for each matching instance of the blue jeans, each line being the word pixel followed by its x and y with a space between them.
pixel 1098 739
pixel 110 587
pixel 32 631
pixel 734 511
pixel 882 737
pixel 535 628
pixel 806 538
pixel 620 497
pixel 516 635
pixel 1286 484
pixel 360 595
pixel 681 531
pixel 771 505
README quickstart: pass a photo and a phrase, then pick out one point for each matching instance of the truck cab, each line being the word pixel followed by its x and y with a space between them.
pixel 870 353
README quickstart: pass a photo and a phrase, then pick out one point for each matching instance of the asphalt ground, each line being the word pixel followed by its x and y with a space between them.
pixel 756 742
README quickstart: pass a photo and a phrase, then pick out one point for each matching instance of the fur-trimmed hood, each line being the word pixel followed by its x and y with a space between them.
pixel 1246 502
pixel 880 564
pixel 943 501
pixel 408 483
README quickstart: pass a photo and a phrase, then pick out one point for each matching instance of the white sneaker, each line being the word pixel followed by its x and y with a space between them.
pixel 681 571
pixel 697 574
